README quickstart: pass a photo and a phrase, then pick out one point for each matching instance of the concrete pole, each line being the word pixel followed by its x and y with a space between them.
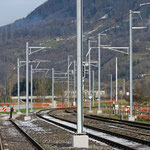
pixel 90 96
pixel 93 88
pixel 31 88
pixel 74 97
pixel 99 73
pixel 27 79
pixel 68 80
pixel 111 87
pixel 79 67
pixel 18 76
pixel 131 118
pixel 53 82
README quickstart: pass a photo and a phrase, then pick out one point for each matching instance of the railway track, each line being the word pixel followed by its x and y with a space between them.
pixel 125 128
pixel 1 144
pixel 28 137
pixel 128 140
pixel 116 121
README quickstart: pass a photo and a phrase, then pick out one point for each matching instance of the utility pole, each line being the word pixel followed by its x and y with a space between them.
pixel 111 87
pixel 131 117
pixel 90 96
pixel 79 67
pixel 19 64
pixel 53 82
pixel 74 98
pixel 116 80
pixel 99 74
pixel 124 87
pixel 27 117
pixel 18 77
pixel 93 88
pixel 68 79
pixel 31 88
pixel 80 140
pixel 116 106
pixel 131 66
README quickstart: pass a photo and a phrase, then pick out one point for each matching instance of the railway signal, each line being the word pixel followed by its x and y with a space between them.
pixel 4 109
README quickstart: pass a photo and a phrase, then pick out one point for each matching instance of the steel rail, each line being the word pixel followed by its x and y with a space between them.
pixel 109 132
pixel 28 137
pixel 1 144
pixel 118 121
pixel 124 122
pixel 108 142
pixel 141 133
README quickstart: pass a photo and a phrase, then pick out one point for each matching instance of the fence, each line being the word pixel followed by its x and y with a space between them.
pixel 142 111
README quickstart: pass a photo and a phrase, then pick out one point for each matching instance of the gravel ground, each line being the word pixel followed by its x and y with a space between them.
pixel 52 137
pixel 12 139
pixel 122 129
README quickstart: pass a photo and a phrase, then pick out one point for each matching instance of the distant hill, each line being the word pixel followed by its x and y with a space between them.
pixel 57 18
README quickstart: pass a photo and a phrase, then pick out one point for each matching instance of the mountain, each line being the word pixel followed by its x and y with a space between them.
pixel 57 19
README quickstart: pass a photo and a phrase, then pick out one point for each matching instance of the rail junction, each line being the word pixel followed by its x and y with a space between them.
pixel 104 133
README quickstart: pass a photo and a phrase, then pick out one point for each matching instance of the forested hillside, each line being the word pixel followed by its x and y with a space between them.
pixel 57 18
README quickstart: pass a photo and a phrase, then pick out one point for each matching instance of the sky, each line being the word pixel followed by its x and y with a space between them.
pixel 11 10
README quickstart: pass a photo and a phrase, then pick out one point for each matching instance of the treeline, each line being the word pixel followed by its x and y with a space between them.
pixel 41 87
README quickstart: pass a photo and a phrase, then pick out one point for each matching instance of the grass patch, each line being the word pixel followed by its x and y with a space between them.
pixel 107 104
pixel 21 110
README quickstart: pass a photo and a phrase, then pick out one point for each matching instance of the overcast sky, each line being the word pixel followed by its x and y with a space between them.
pixel 11 10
